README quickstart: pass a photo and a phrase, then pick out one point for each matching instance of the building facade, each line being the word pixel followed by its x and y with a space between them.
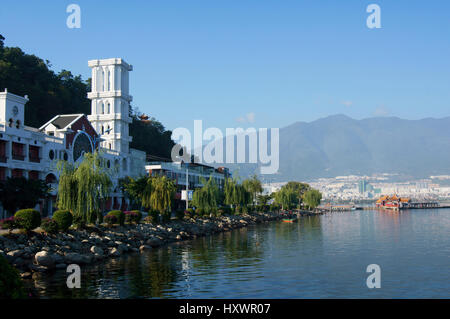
pixel 195 172
pixel 33 153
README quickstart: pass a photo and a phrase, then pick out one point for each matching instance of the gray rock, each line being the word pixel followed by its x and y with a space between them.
pixel 43 258
pixel 114 252
pixel 144 248
pixel 15 253
pixel 97 250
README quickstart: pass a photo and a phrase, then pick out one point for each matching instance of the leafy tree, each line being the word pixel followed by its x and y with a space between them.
pixel 291 194
pixel 13 189
pixel 162 193
pixel 235 194
pixel 312 198
pixel 286 197
pixel 207 197
pixel 137 189
pixel 264 199
pixel 253 186
pixel 11 286
pixel 150 136
pixel 82 189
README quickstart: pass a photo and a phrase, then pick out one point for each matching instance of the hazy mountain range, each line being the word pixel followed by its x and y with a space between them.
pixel 339 145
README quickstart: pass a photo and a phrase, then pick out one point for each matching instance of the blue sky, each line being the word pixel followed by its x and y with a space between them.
pixel 253 63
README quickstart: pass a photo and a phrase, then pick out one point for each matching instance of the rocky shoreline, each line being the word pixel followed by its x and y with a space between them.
pixel 40 252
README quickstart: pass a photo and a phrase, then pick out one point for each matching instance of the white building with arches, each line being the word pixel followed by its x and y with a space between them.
pixel 34 152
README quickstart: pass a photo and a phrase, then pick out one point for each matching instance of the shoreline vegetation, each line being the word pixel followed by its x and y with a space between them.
pixel 43 252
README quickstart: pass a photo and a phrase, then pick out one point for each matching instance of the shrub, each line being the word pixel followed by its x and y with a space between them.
pixel 138 216
pixel 79 222
pixel 8 223
pixel 148 220
pixel 10 282
pixel 119 215
pixel 110 219
pixel 50 226
pixel 220 212
pixel 28 219
pixel 133 216
pixel 64 219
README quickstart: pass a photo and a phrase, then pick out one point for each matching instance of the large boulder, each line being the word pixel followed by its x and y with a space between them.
pixel 43 258
pixel 15 253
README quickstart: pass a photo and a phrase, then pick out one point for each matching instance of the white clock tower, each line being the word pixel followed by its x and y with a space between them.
pixel 110 103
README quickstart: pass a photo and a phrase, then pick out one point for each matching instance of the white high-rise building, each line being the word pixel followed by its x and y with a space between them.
pixel 33 152
pixel 111 102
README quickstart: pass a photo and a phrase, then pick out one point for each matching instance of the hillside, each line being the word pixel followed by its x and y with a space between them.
pixel 339 145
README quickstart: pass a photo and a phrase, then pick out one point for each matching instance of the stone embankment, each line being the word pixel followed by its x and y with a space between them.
pixel 39 252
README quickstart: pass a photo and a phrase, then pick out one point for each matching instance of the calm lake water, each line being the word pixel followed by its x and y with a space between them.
pixel 318 257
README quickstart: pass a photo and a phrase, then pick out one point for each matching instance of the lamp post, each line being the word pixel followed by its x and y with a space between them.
pixel 187 186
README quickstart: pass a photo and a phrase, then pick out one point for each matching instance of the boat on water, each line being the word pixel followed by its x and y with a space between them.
pixel 289 220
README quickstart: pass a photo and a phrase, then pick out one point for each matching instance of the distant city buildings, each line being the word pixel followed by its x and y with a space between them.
pixel 354 188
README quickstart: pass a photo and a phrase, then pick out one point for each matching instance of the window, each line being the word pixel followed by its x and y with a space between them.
pixel 109 80
pixel 103 130
pixel 103 80
pixel 103 108
pixel 108 109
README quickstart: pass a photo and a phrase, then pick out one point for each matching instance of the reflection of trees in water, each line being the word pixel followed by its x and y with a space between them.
pixel 132 276
pixel 305 226
pixel 156 273
pixel 228 247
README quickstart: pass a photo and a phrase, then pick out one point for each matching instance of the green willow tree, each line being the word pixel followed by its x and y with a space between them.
pixel 207 197
pixel 235 194
pixel 312 198
pixel 83 188
pixel 291 195
pixel 162 191
pixel 286 197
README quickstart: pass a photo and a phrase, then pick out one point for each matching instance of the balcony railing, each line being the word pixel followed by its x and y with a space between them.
pixel 34 159
pixel 18 157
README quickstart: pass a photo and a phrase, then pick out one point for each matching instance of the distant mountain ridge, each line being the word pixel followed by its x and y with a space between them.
pixel 339 145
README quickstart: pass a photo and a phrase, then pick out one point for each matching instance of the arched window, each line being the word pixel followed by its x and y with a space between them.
pixel 103 108
pixel 103 80
pixel 108 130
pixel 108 108
pixel 103 130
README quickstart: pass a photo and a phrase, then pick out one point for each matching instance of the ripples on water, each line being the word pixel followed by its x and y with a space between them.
pixel 318 257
